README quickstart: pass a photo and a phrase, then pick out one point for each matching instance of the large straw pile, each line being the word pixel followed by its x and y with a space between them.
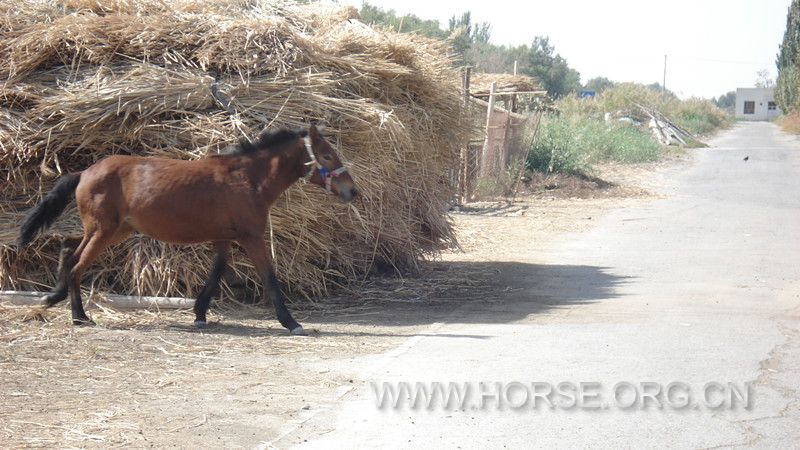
pixel 182 79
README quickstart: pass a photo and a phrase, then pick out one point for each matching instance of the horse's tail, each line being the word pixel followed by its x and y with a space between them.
pixel 47 211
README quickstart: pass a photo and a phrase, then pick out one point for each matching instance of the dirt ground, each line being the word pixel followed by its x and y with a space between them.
pixel 149 379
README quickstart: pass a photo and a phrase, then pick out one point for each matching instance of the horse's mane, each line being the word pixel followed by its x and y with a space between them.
pixel 269 141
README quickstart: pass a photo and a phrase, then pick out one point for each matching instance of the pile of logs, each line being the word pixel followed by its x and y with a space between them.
pixel 667 132
pixel 664 130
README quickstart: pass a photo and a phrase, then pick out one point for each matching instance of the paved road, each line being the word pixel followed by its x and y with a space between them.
pixel 700 286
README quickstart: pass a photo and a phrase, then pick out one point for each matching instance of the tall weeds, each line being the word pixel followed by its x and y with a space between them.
pixel 574 145
pixel 580 136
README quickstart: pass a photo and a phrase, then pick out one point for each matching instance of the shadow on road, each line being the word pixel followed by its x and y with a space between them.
pixel 469 292
pixel 445 292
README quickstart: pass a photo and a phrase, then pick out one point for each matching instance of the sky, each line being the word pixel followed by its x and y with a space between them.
pixel 712 46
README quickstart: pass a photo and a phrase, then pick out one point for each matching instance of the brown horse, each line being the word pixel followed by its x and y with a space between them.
pixel 219 199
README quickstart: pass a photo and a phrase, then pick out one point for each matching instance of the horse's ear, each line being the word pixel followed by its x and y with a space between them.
pixel 313 133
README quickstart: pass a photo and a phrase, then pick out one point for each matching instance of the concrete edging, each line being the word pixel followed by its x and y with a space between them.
pixel 34 298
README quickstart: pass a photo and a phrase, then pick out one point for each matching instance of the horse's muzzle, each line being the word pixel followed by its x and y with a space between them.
pixel 348 195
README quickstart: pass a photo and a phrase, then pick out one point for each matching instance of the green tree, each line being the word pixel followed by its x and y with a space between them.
pixel 787 56
pixel 464 35
pixel 787 89
pixel 551 69
pixel 408 23
pixel 481 33
pixel 763 80
pixel 477 32
pixel 787 92
pixel 656 87
pixel 599 84
pixel 489 58
pixel 470 42
pixel 726 101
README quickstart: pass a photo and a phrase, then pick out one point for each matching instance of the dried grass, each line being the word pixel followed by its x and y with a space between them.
pixel 481 83
pixel 790 122
pixel 182 79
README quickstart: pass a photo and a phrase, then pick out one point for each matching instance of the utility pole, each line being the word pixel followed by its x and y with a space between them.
pixel 664 82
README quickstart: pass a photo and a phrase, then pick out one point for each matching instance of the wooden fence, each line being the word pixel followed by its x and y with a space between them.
pixel 497 146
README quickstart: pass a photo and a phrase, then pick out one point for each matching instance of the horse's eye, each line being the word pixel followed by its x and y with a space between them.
pixel 327 157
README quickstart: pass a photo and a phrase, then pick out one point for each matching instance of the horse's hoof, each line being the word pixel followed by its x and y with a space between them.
pixel 47 301
pixel 199 324
pixel 85 322
pixel 299 331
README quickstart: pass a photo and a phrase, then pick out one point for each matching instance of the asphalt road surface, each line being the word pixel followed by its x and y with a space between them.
pixel 680 316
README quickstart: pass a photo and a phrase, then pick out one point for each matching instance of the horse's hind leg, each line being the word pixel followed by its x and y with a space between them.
pixel 212 283
pixel 93 243
pixel 65 264
pixel 257 251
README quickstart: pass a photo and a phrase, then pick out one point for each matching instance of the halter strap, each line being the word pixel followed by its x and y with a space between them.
pixel 312 159
pixel 329 175
pixel 325 174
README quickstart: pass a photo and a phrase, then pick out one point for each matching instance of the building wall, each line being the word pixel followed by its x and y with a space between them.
pixel 762 100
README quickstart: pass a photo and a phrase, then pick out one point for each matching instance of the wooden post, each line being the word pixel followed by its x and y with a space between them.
pixel 504 150
pixel 514 97
pixel 484 162
pixel 463 179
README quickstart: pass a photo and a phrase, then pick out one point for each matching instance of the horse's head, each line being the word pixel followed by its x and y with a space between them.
pixel 325 169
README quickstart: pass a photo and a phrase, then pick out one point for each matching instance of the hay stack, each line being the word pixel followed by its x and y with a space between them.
pixel 182 79
pixel 481 83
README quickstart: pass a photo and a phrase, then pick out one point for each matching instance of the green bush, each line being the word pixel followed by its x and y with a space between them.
pixel 697 116
pixel 555 148
pixel 579 136
pixel 573 146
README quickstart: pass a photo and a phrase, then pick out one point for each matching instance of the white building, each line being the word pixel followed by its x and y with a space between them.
pixel 756 104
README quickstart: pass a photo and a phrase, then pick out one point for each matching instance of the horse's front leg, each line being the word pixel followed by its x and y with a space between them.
pixel 258 254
